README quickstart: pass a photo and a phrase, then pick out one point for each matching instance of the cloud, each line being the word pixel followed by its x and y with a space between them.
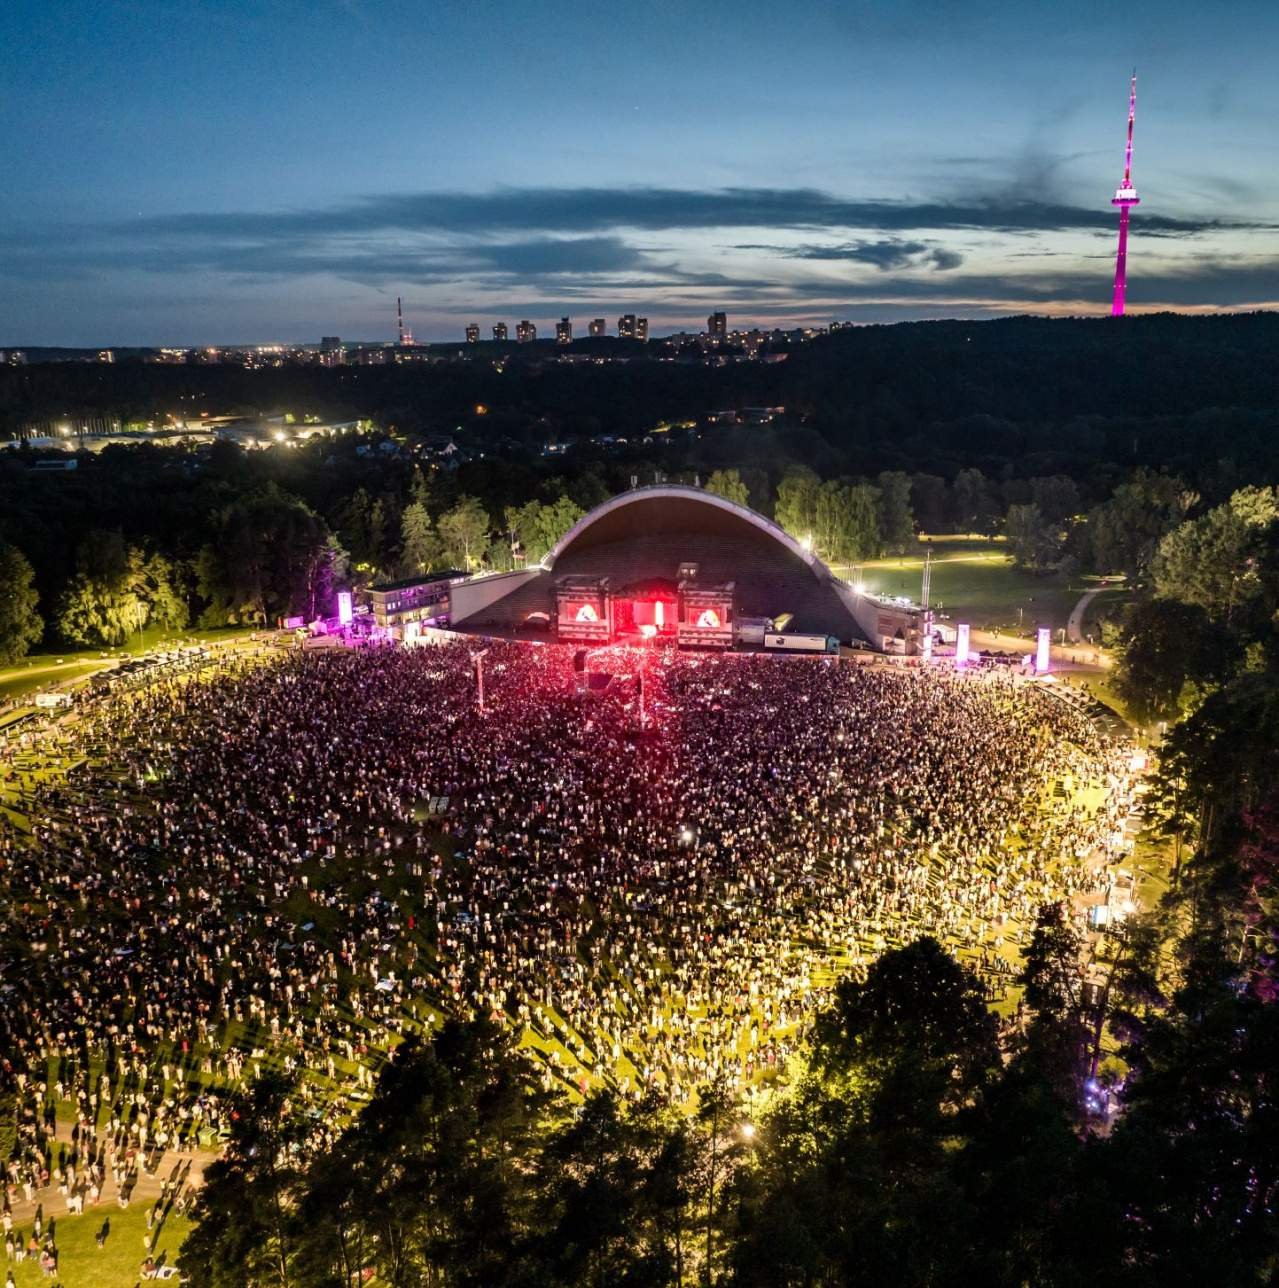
pixel 656 247
pixel 548 255
pixel 891 253
pixel 598 210
pixel 1190 284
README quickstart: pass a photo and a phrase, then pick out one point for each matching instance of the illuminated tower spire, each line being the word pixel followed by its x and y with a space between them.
pixel 1125 198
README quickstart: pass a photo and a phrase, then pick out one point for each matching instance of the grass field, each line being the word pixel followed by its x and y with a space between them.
pixel 118 1262
pixel 44 670
pixel 82 1264
pixel 973 579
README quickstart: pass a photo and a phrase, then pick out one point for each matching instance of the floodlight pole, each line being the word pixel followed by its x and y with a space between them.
pixel 479 680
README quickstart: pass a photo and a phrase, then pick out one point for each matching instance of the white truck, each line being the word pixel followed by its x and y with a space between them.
pixel 799 642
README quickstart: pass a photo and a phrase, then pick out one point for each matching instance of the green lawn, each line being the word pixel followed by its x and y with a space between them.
pixel 974 579
pixel 82 1264
pixel 42 670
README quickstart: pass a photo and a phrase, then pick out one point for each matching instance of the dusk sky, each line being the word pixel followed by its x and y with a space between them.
pixel 204 173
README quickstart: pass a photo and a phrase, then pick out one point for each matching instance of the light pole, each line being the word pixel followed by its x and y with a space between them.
pixel 479 680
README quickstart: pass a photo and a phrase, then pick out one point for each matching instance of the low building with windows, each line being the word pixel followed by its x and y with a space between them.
pixel 393 604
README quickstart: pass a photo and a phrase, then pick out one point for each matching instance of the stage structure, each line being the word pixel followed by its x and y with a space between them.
pixel 584 610
pixel 678 563
pixel 706 615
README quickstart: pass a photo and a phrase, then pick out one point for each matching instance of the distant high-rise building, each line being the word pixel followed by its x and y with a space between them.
pixel 106 355
pixel 330 343
pixel 499 331
pixel 717 327
pixel 626 326
pixel 525 331
pixel 641 329
pixel 332 354
pixel 564 331
pixel 472 333
pixel 597 328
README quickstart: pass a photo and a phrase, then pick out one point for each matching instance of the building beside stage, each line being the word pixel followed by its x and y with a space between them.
pixel 395 604
pixel 664 562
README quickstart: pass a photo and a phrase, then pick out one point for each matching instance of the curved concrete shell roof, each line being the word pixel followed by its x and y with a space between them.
pixel 673 507
pixel 649 534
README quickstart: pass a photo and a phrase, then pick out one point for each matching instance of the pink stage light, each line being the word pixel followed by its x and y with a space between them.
pixel 961 646
pixel 344 607
pixel 1042 650
pixel 648 630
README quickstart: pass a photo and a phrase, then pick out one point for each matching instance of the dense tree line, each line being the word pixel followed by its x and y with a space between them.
pixel 1210 621
pixel 1063 395
pixel 1084 444
pixel 144 536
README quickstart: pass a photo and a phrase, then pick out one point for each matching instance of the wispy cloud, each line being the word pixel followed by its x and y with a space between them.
pixel 885 255
pixel 799 249
pixel 596 210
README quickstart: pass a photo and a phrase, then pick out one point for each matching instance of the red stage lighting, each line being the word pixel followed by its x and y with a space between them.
pixel 656 613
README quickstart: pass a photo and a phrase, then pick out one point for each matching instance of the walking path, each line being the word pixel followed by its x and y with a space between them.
pixel 143 1187
pixel 1075 623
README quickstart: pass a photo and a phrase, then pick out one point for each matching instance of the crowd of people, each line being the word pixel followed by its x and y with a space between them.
pixel 290 860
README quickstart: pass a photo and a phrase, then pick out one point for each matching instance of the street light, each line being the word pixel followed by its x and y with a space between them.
pixel 479 680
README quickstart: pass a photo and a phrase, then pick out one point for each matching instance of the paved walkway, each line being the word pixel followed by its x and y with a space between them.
pixel 1075 623
pixel 172 1165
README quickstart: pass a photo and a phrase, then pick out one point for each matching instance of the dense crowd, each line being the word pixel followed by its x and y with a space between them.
pixel 294 860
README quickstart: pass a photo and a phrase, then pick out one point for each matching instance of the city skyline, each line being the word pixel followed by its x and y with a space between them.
pixel 313 162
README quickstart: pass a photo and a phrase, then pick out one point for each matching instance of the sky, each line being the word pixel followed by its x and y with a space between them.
pixel 183 172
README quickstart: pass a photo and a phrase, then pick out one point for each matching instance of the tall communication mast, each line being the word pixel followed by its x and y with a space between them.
pixel 406 337
pixel 1125 198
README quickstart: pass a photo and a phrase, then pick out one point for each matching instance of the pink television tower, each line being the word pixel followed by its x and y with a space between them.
pixel 1125 198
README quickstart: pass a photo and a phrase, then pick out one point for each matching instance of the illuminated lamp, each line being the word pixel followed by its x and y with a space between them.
pixel 659 614
pixel 708 619
pixel 1042 645
pixel 586 613
pixel 647 630
pixel 344 607
pixel 961 646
